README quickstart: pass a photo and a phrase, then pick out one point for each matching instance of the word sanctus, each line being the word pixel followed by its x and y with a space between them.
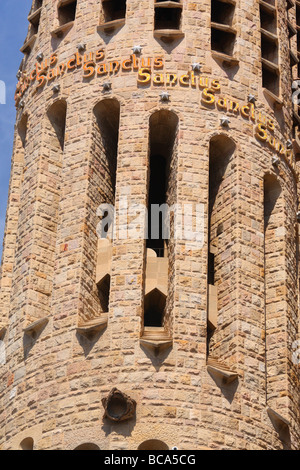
pixel 92 64
pixel 150 71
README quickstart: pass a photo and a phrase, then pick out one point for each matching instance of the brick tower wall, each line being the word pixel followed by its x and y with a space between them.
pixel 231 386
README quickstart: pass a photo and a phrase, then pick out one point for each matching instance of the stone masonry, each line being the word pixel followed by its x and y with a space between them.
pixel 79 364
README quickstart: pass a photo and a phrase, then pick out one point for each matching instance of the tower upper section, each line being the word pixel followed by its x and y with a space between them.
pixel 185 332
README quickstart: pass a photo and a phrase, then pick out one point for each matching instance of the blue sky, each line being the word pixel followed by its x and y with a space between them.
pixel 13 30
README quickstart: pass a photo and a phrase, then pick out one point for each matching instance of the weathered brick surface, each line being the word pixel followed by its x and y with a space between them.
pixel 51 388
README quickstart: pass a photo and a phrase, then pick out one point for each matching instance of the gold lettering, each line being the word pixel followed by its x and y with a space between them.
pixel 272 142
pixel 270 125
pixel 71 65
pixel 60 70
pixel 261 133
pixel 261 119
pixel 158 79
pixel 184 80
pixel 78 59
pixel 171 79
pixel 41 79
pixel 135 61
pixel 32 75
pixel 203 82
pixel 53 59
pixel 144 76
pixel 158 63
pixel 102 70
pixel 215 85
pixel 280 148
pixel 114 66
pixel 245 111
pixel 208 97
pixel 144 65
pixel 234 107
pixel 88 57
pixel 99 55
pixel 51 75
pixel 126 64
pixel 222 104
pixel 193 80
pixel 89 69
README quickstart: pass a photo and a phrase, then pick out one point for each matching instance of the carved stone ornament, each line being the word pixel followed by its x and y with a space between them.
pixel 118 406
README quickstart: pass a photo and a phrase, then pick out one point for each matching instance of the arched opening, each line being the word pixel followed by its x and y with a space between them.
pixel 27 444
pixel 157 197
pixel 103 290
pixel 48 180
pixel 22 129
pixel 10 245
pixel 57 117
pixel 162 194
pixel 155 303
pixel 153 444
pixel 87 446
pixel 274 280
pixel 102 189
pixel 107 114
pixel 163 133
pixel 220 213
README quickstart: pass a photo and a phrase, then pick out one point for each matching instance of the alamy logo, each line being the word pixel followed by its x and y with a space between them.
pixel 2 92
pixel 131 221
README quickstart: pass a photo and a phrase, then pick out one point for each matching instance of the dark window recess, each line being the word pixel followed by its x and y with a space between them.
pixel 222 41
pixel 57 116
pixel 155 303
pixel 114 9
pixel 35 24
pixel 157 196
pixel 298 42
pixel 268 21
pixel 103 293
pixel 298 15
pixel 269 50
pixel 211 269
pixel 67 13
pixel 221 12
pixel 270 80
pixel 167 18
pixel 27 444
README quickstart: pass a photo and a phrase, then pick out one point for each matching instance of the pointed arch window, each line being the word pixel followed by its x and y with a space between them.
pixel 274 282
pixel 157 321
pixel 101 192
pixel 221 176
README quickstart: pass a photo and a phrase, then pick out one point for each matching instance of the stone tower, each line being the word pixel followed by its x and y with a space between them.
pixel 114 338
